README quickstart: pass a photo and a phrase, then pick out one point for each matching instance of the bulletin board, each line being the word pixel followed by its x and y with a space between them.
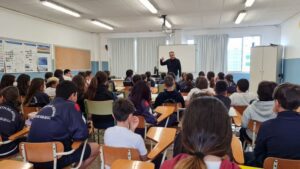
pixel 71 58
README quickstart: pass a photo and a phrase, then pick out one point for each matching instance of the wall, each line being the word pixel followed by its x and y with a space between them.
pixel 290 39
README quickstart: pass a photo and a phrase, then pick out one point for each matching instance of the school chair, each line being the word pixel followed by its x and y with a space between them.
pixel 240 109
pixel 143 125
pixel 176 106
pixel 12 164
pixel 126 91
pixel 237 150
pixel 27 110
pixel 99 108
pixel 108 154
pixel 254 126
pixel 48 151
pixel 280 163
pixel 161 88
pixel 129 164
pixel 165 113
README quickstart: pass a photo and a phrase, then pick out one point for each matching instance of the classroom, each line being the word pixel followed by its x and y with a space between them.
pixel 150 84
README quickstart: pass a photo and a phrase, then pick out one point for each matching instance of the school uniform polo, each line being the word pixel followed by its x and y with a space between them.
pixel 40 99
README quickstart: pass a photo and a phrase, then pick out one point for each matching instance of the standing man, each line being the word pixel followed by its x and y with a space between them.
pixel 173 64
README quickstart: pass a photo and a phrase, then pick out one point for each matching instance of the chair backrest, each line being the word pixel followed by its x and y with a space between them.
pixel 161 88
pixel 40 152
pixel 111 154
pixel 99 107
pixel 254 126
pixel 142 122
pixel 26 110
pixel 240 109
pixel 237 150
pixel 279 163
pixel 129 164
pixel 13 164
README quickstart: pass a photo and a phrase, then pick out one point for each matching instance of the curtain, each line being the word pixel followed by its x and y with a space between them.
pixel 147 53
pixel 121 51
pixel 211 53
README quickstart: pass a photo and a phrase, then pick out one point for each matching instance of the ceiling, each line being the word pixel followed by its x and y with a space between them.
pixel 132 16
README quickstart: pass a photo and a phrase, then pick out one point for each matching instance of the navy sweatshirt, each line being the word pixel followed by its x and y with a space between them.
pixel 173 65
pixel 169 97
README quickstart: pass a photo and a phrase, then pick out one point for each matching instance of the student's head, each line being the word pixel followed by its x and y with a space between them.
pixel 140 92
pixel 169 81
pixel 189 77
pixel 229 78
pixel 148 74
pixel 123 109
pixel 129 73
pixel 287 97
pixel 48 75
pixel 221 76
pixel 136 78
pixel 67 72
pixel 201 73
pixel 23 82
pixel 163 75
pixel 59 74
pixel 52 82
pixel 201 83
pixel 210 75
pixel 80 83
pixel 36 85
pixel 82 74
pixel 183 76
pixel 242 85
pixel 265 90
pixel 89 74
pixel 172 55
pixel 221 87
pixel 7 80
pixel 172 74
pixel 67 90
pixel 108 74
pixel 144 77
pixel 11 96
pixel 206 130
pixel 100 79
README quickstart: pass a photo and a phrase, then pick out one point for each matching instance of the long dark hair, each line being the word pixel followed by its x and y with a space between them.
pixel 139 92
pixel 11 97
pixel 34 87
pixel 99 79
pixel 80 84
pixel 59 74
pixel 7 80
pixel 23 84
pixel 206 130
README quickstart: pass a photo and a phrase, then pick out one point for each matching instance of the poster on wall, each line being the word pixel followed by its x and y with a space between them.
pixel 1 57
pixel 30 61
pixel 43 53
pixel 14 56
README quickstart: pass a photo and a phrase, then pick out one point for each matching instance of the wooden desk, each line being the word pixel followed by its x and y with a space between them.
pixel 120 88
pixel 165 112
pixel 128 164
pixel 118 82
pixel 12 164
pixel 20 133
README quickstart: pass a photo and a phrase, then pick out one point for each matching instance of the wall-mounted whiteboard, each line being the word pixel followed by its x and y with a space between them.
pixel 185 53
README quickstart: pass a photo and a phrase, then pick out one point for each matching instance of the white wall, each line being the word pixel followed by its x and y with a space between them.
pixel 290 37
pixel 23 27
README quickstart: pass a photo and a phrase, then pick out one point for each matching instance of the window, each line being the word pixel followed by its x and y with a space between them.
pixel 190 42
pixel 239 53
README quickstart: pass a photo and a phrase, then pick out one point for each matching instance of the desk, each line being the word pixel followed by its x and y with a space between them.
pixel 129 164
pixel 20 133
pixel 165 112
pixel 12 164
pixel 118 82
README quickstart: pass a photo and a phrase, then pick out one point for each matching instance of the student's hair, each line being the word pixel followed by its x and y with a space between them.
pixel 243 85
pixel 23 84
pixel 189 77
pixel 107 73
pixel 99 79
pixel 183 74
pixel 48 75
pixel 65 89
pixel 122 108
pixel 7 80
pixel 169 81
pixel 66 71
pixel 34 87
pixel 210 75
pixel 88 73
pixel 139 92
pixel 129 73
pixel 201 73
pixel 201 94
pixel 136 78
pixel 144 77
pixel 163 75
pixel 80 84
pixel 206 130
pixel 11 96
pixel 59 74
pixel 148 74
pixel 265 90
pixel 83 74
pixel 51 81
pixel 172 74
pixel 221 87
pixel 201 83
pixel 221 76
pixel 288 96
pixel 229 78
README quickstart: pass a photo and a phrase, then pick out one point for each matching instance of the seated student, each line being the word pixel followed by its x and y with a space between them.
pixel 110 83
pixel 279 137
pixel 67 74
pixel 98 91
pixel 128 78
pixel 201 74
pixel 122 135
pixel 7 80
pixel 144 78
pixel 201 87
pixel 259 110
pixel 221 76
pixel 211 79
pixel 206 134
pixel 36 96
pixel 242 97
pixel 59 74
pixel 149 79
pixel 65 125
pixel 169 95
pixel 11 120
pixel 162 78
pixel 79 82
pixel 136 78
pixel 221 93
pixel 89 76
pixel 231 85
pixel 48 75
pixel 182 78
pixel 51 85
pixel 177 86
pixel 23 82
pixel 188 85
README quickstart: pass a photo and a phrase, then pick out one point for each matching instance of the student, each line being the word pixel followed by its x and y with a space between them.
pixel 162 77
pixel 279 137
pixel 211 79
pixel 89 76
pixel 169 95
pixel 221 76
pixel 36 96
pixel 11 120
pixel 221 93
pixel 51 85
pixel 201 87
pixel 23 82
pixel 67 74
pixel 59 74
pixel 79 82
pixel 260 110
pixel 242 97
pixel 122 135
pixel 149 79
pixel 65 125
pixel 48 75
pixel 177 86
pixel 7 80
pixel 231 85
pixel 206 136
pixel 98 91
pixel 144 78
pixel 182 78
pixel 201 74
pixel 111 83
pixel 129 74
pixel 188 85
pixel 136 78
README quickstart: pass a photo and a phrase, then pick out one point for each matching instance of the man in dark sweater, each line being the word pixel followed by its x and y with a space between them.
pixel 280 137
pixel 173 64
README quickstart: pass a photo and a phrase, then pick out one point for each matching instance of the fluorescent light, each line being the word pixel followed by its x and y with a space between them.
pixel 149 6
pixel 98 23
pixel 249 3
pixel 167 23
pixel 240 17
pixel 60 8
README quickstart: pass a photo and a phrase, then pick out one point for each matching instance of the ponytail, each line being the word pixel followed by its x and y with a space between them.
pixel 91 91
pixel 191 162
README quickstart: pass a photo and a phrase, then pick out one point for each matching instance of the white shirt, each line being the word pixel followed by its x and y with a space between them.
pixel 123 137
pixel 242 99
pixel 212 164
pixel 50 91
pixel 67 78
pixel 197 90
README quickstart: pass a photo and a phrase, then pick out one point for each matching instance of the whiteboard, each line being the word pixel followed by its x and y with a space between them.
pixel 185 53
